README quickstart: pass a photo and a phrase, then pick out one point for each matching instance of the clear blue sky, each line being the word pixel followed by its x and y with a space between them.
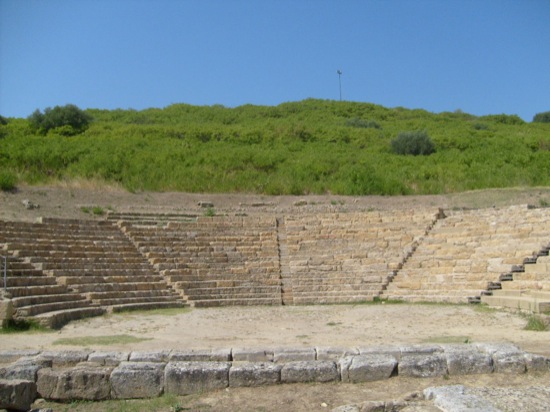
pixel 479 56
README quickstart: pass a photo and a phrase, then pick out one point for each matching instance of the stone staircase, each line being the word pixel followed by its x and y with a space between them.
pixel 349 257
pixel 92 259
pixel 466 254
pixel 215 261
pixel 526 287
pixel 33 295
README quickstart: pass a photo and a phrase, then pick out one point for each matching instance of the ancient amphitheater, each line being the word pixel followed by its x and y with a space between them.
pixel 56 270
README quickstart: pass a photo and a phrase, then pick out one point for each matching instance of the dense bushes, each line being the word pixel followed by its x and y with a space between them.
pixel 413 143
pixel 311 146
pixel 543 117
pixel 66 120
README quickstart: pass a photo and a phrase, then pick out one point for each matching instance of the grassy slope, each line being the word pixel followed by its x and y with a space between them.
pixel 311 146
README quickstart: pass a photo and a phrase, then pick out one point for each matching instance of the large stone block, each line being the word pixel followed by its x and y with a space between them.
pixel 423 366
pixel 254 374
pixel 9 356
pixel 83 383
pixel 366 368
pixel 17 395
pixel 66 358
pixel 467 361
pixel 184 378
pixel 309 371
pixel 108 358
pixel 25 369
pixel 137 380
pixel 293 354
pixel 201 355
pixel 150 356
pixel 335 353
pixel 252 355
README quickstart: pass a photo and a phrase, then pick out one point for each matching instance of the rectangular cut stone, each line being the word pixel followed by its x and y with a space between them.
pixel 251 355
pixel 201 355
pixel 161 356
pixel 9 356
pixel 17 395
pixel 423 366
pixel 294 354
pixel 254 374
pixel 108 358
pixel 335 353
pixel 536 362
pixel 468 361
pixel 309 371
pixel 390 350
pixel 132 380
pixel 82 383
pixel 65 358
pixel 366 368
pixel 25 368
pixel 185 378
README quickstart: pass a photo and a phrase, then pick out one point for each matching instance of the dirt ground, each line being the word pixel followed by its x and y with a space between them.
pixel 288 326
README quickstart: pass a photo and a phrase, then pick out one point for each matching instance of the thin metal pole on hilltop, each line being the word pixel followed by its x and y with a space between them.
pixel 340 82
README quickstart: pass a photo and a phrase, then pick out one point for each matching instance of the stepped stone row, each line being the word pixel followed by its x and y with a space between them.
pixel 215 261
pixel 469 250
pixel 67 376
pixel 349 257
pixel 65 269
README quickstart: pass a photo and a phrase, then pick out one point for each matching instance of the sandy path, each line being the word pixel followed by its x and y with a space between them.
pixel 296 326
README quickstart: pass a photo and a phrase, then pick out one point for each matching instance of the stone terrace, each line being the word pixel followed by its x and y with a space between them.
pixel 92 264
pixel 133 261
pixel 466 253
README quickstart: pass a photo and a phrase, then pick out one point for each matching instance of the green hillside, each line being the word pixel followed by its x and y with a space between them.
pixel 311 146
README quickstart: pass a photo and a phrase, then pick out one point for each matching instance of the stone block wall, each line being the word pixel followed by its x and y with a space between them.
pixel 87 375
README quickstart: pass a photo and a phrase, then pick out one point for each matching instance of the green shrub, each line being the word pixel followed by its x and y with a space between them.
pixel 543 117
pixel 68 120
pixel 357 122
pixel 413 143
pixel 7 181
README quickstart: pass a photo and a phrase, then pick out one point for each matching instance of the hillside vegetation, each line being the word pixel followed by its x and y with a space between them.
pixel 311 146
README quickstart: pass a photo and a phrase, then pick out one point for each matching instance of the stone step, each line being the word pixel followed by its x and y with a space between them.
pixel 237 302
pixel 522 302
pixel 147 306
pixel 137 300
pixel 331 299
pixel 58 319
pixel 62 273
pixel 118 287
pixel 115 294
pixel 87 280
pixel 28 281
pixel 22 301
pixel 36 290
pixel 37 309
pixel 246 282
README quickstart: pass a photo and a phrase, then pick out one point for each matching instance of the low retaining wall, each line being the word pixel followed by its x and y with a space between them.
pixel 74 375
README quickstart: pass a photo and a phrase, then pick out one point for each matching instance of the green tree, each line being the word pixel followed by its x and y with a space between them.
pixel 543 117
pixel 68 120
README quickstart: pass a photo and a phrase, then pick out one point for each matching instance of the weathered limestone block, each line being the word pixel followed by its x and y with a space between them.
pixel 132 380
pixel 409 350
pixel 254 374
pixel 455 398
pixel 252 355
pixel 65 358
pixel 536 362
pixel 9 356
pixel 184 378
pixel 293 354
pixel 25 369
pixel 17 395
pixel 6 310
pixel 83 383
pixel 309 371
pixel 366 368
pixel 507 358
pixel 335 353
pixel 389 350
pixel 201 355
pixel 108 358
pixel 161 356
pixel 423 366
pixel 467 361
